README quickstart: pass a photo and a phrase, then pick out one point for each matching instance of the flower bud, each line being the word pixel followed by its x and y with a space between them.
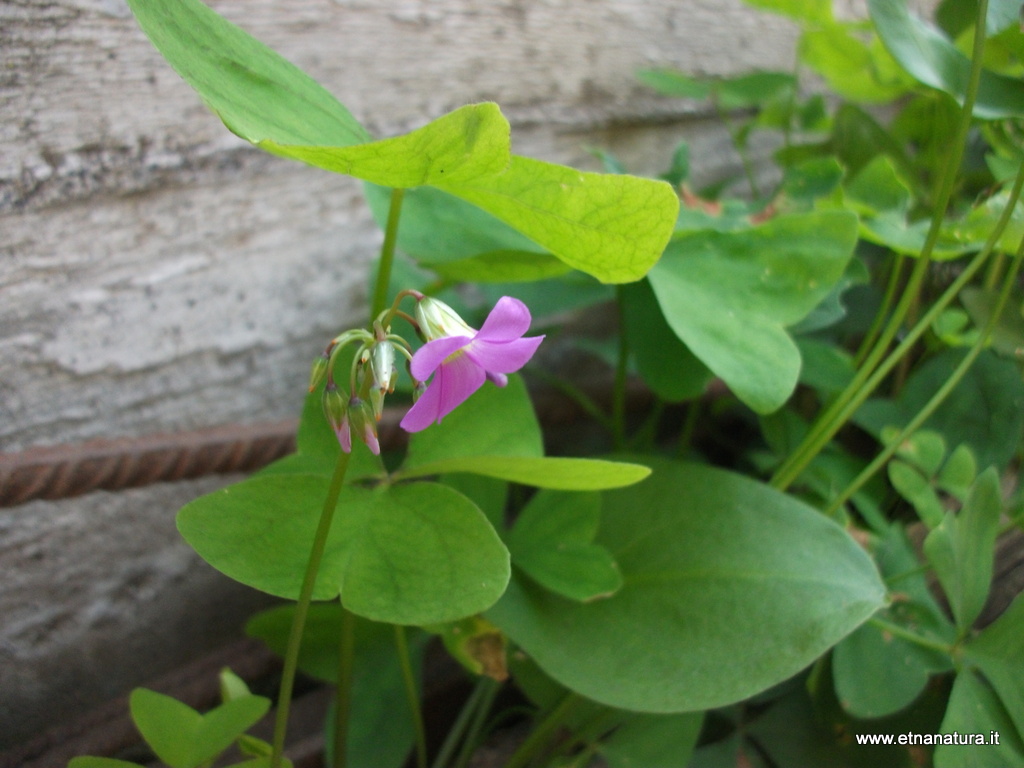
pixel 382 368
pixel 318 371
pixel 437 320
pixel 363 424
pixel 336 412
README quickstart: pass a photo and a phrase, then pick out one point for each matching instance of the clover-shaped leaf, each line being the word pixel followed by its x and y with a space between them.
pixel 730 295
pixel 184 738
pixel 553 542
pixel 405 554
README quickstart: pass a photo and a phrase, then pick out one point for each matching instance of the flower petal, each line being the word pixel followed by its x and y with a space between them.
pixel 432 354
pixel 424 411
pixel 453 383
pixel 503 357
pixel 509 320
pixel 459 378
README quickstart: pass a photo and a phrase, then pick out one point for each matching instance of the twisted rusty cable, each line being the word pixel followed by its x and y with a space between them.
pixel 65 471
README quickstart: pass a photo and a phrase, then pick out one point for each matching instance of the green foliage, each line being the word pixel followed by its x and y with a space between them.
pixel 182 737
pixel 716 551
pixel 377 736
pixel 635 594
pixel 553 543
pixel 730 295
pixel 960 550
pixel 404 554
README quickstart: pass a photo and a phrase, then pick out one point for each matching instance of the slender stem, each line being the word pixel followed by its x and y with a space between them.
pixel 942 393
pixel 412 694
pixel 693 410
pixel 621 370
pixel 839 414
pixel 891 289
pixel 387 254
pixel 469 744
pixel 466 714
pixel 577 395
pixel 832 419
pixel 905 634
pixel 544 730
pixel 291 656
pixel 343 690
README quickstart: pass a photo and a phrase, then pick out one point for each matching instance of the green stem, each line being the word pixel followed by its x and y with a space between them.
pixel 891 290
pixel 942 393
pixel 833 418
pixel 577 395
pixel 466 714
pixel 291 656
pixel 543 732
pixel 911 637
pixel 476 726
pixel 839 415
pixel 387 254
pixel 412 694
pixel 748 168
pixel 693 410
pixel 343 690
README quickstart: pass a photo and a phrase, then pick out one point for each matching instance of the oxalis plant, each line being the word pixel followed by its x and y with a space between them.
pixel 734 582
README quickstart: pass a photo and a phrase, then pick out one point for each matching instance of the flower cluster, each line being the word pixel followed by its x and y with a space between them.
pixel 456 359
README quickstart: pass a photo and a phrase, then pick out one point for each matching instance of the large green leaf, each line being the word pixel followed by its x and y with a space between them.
pixel 729 587
pixel 553 542
pixel 182 737
pixel 258 94
pixel 667 365
pixel 730 295
pixel 559 473
pixel 934 60
pixel 471 142
pixel 405 554
pixel 613 227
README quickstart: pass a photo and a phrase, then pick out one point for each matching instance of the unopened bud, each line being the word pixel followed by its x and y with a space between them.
pixel 318 371
pixel 382 367
pixel 360 417
pixel 438 321
pixel 336 413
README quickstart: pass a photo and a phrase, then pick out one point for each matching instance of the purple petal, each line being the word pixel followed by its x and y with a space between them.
pixel 507 357
pixel 344 435
pixel 459 378
pixel 433 353
pixel 370 438
pixel 509 320
pixel 424 411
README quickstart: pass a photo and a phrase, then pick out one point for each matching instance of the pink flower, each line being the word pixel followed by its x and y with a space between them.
pixel 461 358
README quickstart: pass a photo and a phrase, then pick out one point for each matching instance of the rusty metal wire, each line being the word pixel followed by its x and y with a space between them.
pixel 70 470
pixel 65 471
